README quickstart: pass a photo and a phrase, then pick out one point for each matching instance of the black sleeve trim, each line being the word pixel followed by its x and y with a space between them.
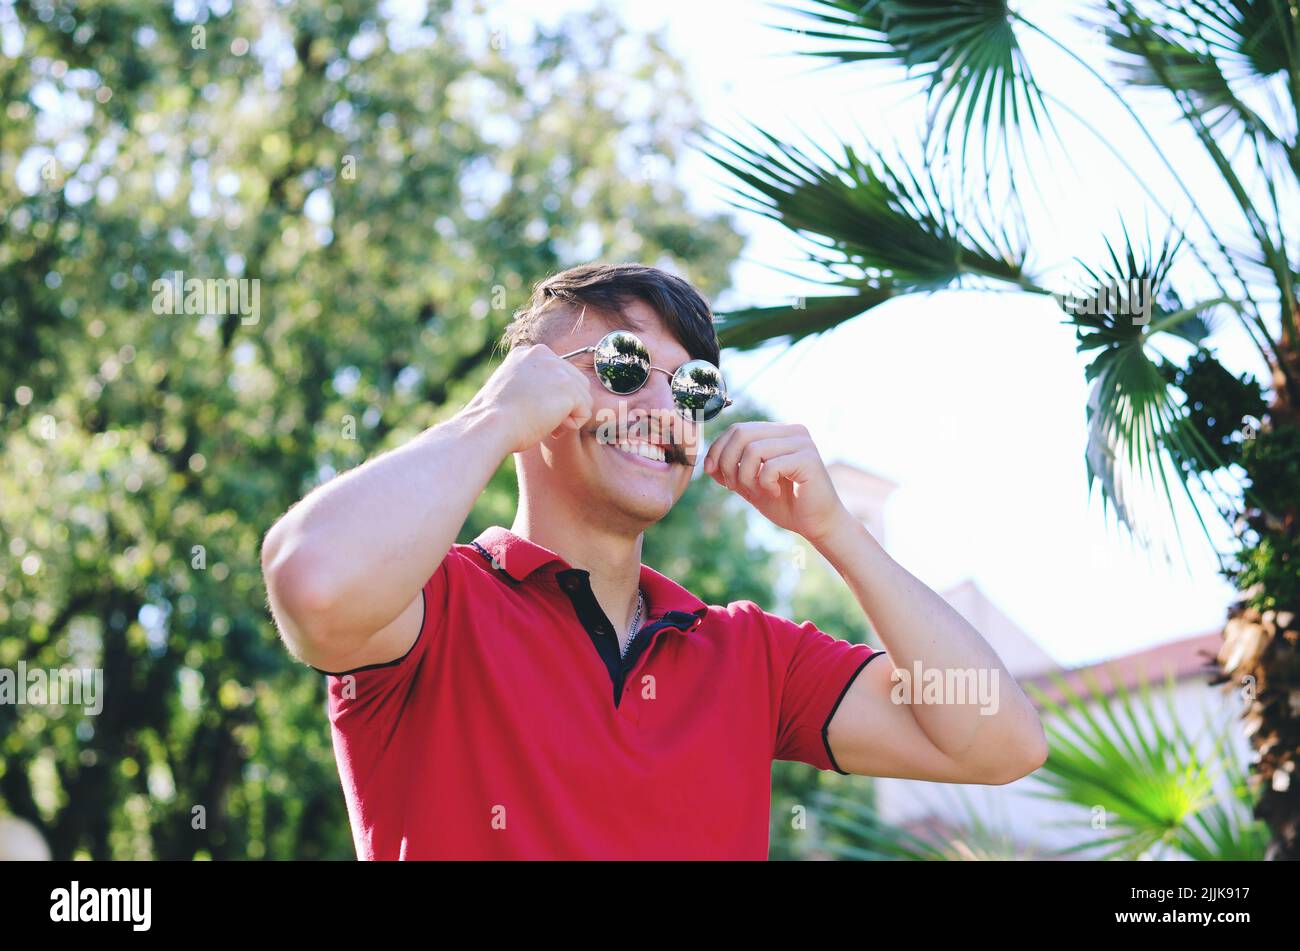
pixel 826 727
pixel 424 615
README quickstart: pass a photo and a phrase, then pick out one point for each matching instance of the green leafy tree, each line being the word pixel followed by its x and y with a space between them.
pixel 395 188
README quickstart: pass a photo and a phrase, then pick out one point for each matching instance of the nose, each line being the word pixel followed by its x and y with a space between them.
pixel 653 400
pixel 657 393
pixel 654 409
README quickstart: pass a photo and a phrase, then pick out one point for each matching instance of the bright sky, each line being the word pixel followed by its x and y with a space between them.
pixel 974 403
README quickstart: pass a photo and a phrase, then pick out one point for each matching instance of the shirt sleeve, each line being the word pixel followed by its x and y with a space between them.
pixel 819 669
pixel 374 695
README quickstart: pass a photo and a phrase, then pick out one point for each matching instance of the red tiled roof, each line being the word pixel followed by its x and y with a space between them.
pixel 1189 658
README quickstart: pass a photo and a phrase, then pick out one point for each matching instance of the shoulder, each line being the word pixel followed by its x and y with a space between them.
pixel 745 614
pixel 750 624
pixel 471 562
pixel 746 624
pixel 466 577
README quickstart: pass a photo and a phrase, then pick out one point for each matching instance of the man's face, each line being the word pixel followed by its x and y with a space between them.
pixel 598 468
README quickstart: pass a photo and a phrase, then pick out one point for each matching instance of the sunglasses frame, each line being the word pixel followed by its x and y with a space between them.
pixel 672 375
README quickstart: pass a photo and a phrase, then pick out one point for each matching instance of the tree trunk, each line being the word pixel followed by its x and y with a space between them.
pixel 1261 643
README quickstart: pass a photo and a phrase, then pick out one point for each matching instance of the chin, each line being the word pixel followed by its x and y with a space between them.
pixel 647 512
pixel 636 511
pixel 639 493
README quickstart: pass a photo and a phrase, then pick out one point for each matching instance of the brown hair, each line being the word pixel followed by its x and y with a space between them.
pixel 607 289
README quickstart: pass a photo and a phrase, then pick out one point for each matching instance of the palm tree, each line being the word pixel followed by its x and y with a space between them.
pixel 1149 787
pixel 1185 434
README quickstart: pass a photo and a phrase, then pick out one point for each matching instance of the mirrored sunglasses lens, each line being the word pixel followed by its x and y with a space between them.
pixel 622 362
pixel 698 390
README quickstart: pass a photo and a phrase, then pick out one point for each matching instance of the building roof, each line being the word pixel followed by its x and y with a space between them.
pixel 1185 659
pixel 846 473
pixel 1018 651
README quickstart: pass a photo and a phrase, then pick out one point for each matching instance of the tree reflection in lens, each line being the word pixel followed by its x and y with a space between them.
pixel 622 362
pixel 698 389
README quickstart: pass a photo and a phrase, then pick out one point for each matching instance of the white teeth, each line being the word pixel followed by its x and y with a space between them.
pixel 642 449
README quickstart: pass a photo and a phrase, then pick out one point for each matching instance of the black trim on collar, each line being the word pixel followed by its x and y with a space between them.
pixel 492 563
pixel 576 584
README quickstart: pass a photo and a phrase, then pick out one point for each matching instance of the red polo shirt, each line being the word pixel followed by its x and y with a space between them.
pixel 512 729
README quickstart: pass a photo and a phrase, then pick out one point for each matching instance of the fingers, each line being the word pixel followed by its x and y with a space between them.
pixel 571 371
pixel 796 466
pixel 725 456
pixel 757 455
pixel 714 457
pixel 564 377
pixel 580 411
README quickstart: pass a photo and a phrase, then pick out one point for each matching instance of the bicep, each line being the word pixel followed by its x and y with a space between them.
pixel 390 643
pixel 871 735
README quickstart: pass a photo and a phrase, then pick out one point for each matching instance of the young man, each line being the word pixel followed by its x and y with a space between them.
pixel 540 693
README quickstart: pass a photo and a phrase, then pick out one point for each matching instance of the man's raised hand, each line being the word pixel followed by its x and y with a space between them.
pixel 535 394
pixel 777 469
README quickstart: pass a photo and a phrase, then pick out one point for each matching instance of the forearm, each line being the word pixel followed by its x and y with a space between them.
pixel 350 556
pixel 916 625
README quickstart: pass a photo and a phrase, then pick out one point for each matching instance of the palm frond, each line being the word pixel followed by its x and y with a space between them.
pixel 1187 55
pixel 1263 33
pixel 1136 420
pixel 851 829
pixel 752 326
pixel 1144 782
pixel 879 233
pixel 1149 40
pixel 1226 829
pixel 967 51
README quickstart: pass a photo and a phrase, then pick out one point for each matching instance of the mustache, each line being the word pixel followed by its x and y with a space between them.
pixel 676 451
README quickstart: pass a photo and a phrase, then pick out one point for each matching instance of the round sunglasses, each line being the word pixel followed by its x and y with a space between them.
pixel 622 364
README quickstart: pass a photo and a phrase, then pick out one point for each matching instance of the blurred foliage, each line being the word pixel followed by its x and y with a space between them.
pixel 800 810
pixel 1267 566
pixel 396 188
pixel 1145 785
pixel 806 802
pixel 821 595
pixel 1134 783
pixel 1218 405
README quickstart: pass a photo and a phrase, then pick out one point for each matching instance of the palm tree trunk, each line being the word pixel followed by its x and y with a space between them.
pixel 1261 644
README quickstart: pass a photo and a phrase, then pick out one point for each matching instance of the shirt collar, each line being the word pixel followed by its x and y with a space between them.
pixel 514 554
pixel 518 558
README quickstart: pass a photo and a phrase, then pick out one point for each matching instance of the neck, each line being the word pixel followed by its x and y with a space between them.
pixel 612 558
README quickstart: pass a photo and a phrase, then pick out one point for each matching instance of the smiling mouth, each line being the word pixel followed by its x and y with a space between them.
pixel 642 450
pixel 658 455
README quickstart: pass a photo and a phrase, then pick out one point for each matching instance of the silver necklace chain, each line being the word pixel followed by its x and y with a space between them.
pixel 636 624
